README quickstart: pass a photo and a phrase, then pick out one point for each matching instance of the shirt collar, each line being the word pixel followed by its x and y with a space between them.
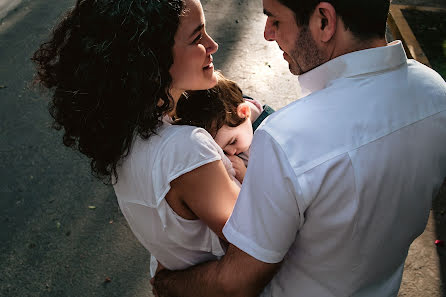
pixel 353 64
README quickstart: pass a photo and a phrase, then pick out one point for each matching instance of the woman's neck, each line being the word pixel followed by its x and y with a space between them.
pixel 176 94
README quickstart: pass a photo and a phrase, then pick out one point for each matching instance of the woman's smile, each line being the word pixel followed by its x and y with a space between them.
pixel 210 65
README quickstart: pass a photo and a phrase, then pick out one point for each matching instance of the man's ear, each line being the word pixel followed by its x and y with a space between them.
pixel 243 110
pixel 324 21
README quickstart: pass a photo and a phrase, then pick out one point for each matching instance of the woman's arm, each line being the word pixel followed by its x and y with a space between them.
pixel 208 192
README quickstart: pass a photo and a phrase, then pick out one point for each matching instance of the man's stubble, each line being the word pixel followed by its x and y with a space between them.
pixel 306 55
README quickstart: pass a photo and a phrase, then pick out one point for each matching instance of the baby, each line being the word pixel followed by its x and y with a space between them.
pixel 229 116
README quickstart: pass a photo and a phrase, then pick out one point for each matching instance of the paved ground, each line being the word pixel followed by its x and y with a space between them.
pixel 51 242
pixel 6 6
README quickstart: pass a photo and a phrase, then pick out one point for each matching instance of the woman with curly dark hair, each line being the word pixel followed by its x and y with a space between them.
pixel 117 69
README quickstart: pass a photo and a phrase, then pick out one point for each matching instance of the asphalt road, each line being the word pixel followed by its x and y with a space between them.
pixel 62 232
pixel 52 243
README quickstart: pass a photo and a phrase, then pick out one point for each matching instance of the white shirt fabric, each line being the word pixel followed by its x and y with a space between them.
pixel 341 181
pixel 143 182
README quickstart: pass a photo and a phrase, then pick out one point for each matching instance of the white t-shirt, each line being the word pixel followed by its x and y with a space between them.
pixel 341 182
pixel 143 182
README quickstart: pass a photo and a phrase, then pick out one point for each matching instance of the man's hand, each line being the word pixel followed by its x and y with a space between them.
pixel 239 168
pixel 159 267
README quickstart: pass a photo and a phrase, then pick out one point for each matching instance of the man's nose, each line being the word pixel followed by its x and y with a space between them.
pixel 269 33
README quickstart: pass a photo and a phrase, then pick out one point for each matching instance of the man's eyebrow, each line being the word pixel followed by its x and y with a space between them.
pixel 198 29
pixel 267 12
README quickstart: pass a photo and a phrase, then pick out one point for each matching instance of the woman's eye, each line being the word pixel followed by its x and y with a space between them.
pixel 198 38
pixel 233 142
pixel 276 23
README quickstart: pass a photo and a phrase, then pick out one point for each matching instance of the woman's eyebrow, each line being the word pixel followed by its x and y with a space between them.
pixel 198 29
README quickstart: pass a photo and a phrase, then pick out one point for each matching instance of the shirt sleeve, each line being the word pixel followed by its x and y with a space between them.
pixel 266 217
pixel 188 149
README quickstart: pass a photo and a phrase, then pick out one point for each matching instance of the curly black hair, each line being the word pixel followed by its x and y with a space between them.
pixel 108 63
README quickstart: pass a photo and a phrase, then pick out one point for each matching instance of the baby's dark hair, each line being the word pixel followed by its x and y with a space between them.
pixel 211 109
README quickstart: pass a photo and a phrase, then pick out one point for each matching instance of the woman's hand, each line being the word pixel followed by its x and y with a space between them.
pixel 239 167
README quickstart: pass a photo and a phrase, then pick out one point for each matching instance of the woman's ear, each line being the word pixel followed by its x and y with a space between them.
pixel 243 110
pixel 324 21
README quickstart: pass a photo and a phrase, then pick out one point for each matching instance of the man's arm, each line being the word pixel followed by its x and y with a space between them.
pixel 236 274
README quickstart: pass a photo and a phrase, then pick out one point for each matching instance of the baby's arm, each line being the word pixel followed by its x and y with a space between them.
pixel 239 167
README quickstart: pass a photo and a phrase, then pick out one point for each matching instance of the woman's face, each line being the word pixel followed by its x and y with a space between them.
pixel 192 67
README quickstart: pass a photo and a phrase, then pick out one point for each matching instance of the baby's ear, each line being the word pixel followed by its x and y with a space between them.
pixel 243 110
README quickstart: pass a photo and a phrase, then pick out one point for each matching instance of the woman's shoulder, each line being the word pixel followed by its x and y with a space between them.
pixel 174 150
pixel 177 135
pixel 190 141
pixel 183 149
pixel 175 145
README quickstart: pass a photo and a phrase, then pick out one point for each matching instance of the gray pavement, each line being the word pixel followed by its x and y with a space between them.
pixel 6 6
pixel 62 232
pixel 52 244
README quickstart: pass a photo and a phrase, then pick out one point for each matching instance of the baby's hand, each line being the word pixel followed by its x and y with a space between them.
pixel 239 167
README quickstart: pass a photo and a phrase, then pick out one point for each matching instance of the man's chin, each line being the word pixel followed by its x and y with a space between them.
pixel 295 70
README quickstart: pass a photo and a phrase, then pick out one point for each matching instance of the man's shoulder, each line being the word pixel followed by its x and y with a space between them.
pixel 421 75
pixel 295 130
pixel 283 120
pixel 296 116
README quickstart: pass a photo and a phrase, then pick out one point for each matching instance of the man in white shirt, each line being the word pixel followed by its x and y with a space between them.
pixel 341 181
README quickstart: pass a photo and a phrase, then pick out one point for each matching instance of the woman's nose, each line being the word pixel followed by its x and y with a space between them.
pixel 212 46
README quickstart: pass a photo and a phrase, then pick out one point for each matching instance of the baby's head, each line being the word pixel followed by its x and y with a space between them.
pixel 222 111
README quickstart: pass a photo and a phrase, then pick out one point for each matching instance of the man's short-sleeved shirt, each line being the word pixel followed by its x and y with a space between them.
pixel 341 181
